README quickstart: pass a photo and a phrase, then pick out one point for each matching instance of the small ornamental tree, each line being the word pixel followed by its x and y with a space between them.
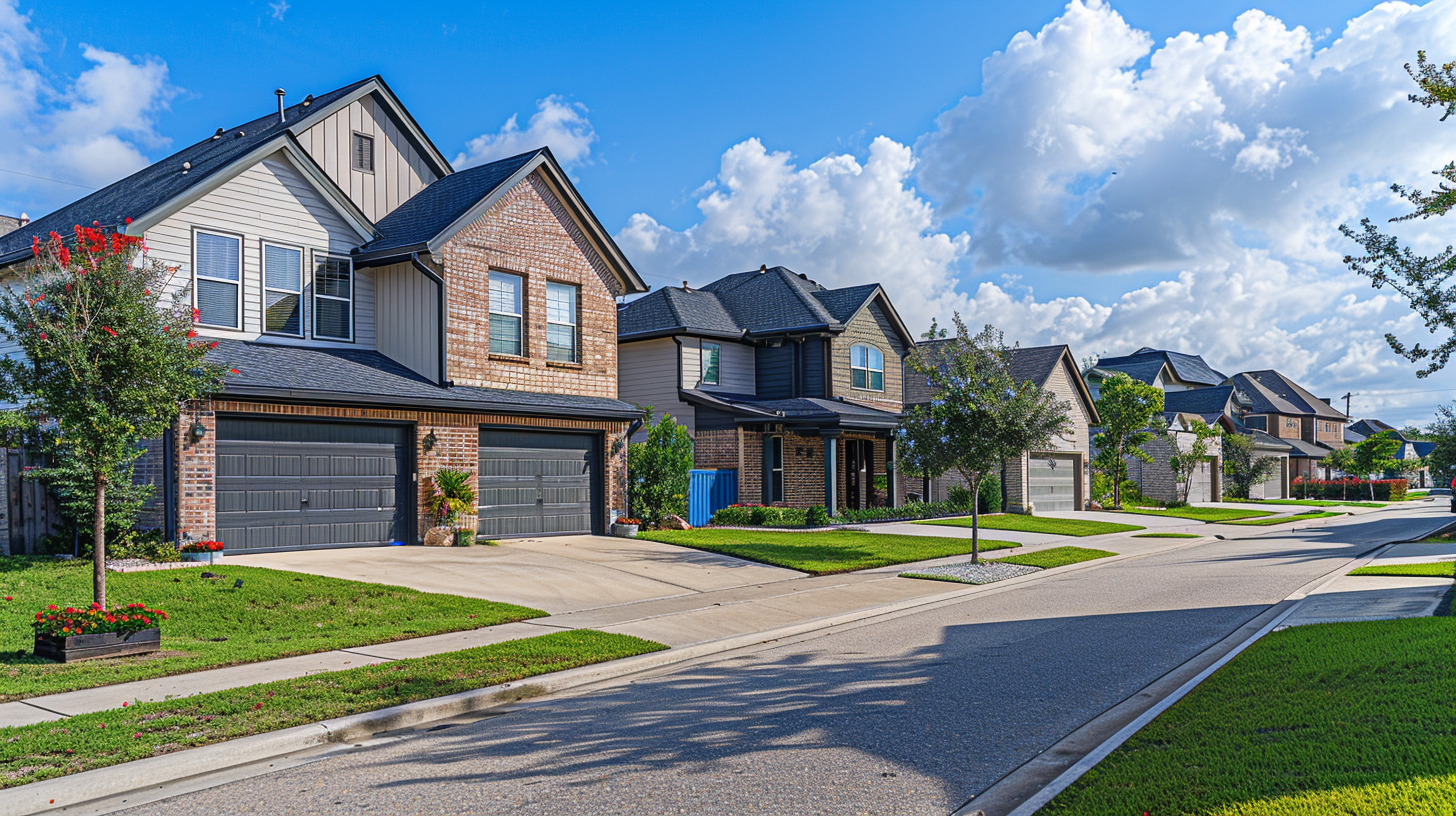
pixel 108 358
pixel 1185 463
pixel 980 416
pixel 657 471
pixel 1243 467
pixel 1375 455
pixel 1127 408
pixel 1442 432
pixel 1343 460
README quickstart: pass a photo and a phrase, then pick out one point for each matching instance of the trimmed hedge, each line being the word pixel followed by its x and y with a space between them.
pixel 752 515
pixel 1354 489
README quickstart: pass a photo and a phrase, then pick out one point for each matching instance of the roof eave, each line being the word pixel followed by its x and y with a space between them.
pixel 675 331
pixel 314 396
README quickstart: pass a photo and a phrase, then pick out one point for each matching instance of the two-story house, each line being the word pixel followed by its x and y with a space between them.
pixel 1280 407
pixel 1057 478
pixel 387 316
pixel 1410 450
pixel 1226 407
pixel 1168 370
pixel 795 387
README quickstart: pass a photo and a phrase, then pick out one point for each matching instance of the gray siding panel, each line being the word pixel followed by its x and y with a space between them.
pixel 409 318
pixel 647 373
pixel 775 371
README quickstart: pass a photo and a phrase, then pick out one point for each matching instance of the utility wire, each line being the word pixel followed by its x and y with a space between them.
pixel 43 178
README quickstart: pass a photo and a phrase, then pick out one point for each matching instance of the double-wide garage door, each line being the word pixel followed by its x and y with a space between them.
pixel 538 483
pixel 288 485
pixel 1052 482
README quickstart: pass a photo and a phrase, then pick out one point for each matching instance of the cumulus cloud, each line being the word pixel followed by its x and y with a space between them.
pixel 87 132
pixel 557 124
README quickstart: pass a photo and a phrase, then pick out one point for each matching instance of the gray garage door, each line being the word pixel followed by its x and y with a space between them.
pixel 1273 487
pixel 538 483
pixel 288 485
pixel 1052 483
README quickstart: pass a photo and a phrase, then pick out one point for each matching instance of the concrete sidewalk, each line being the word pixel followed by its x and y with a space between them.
pixel 1379 597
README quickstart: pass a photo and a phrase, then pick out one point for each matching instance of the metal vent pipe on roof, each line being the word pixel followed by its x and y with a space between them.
pixel 280 93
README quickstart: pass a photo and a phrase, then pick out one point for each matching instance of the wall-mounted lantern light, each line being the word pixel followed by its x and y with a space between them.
pixel 197 431
pixel 428 443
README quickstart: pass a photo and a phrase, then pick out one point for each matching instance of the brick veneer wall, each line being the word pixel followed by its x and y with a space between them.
pixel 803 467
pixel 716 449
pixel 528 233
pixel 457 446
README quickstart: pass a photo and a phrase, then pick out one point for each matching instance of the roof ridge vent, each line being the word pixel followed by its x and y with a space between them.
pixel 762 268
pixel 308 100
pixel 218 134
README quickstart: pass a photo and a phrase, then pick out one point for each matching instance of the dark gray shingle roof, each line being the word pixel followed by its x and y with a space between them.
pixel 1145 370
pixel 675 309
pixel 427 213
pixel 844 303
pixel 1186 367
pixel 1371 427
pixel 1273 393
pixel 799 411
pixel 365 377
pixel 1199 400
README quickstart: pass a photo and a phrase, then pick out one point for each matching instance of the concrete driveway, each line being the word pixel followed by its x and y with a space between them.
pixel 558 573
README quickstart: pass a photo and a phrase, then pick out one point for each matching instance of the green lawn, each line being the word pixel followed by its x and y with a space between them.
pixel 1055 557
pixel 1347 718
pixel 1320 503
pixel 1039 524
pixel 1197 513
pixel 274 614
pixel 821 553
pixel 1167 535
pixel 1442 538
pixel 1439 569
pixel 1266 522
pixel 34 752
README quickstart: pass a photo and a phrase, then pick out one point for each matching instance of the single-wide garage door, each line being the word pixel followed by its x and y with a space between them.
pixel 1273 487
pixel 289 485
pixel 1052 482
pixel 1200 487
pixel 538 483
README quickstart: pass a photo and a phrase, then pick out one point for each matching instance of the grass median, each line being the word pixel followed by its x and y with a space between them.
pixel 1039 524
pixel 274 614
pixel 1438 569
pixel 1269 522
pixel 1056 557
pixel 1319 503
pixel 31 753
pixel 1167 535
pixel 1206 514
pixel 1344 718
pixel 822 553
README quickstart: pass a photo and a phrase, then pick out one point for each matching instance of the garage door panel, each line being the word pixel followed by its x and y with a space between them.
pixel 1052 482
pixel 536 483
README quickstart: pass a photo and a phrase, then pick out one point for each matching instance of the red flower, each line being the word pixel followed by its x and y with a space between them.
pixel 137 735
pixel 64 254
pixel 257 706
pixel 125 703
pixel 52 607
pixel 108 330
pixel 42 335
pixel 233 371
pixel 128 220
pixel 9 598
pixel 191 334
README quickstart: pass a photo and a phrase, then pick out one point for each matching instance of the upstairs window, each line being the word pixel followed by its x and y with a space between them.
pixel 561 322
pixel 333 298
pixel 283 290
pixel 867 368
pixel 363 153
pixel 219 273
pixel 712 357
pixel 505 314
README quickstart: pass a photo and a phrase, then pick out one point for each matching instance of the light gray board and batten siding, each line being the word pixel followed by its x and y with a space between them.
pixel 409 318
pixel 538 483
pixel 269 201
pixel 399 169
pixel 735 366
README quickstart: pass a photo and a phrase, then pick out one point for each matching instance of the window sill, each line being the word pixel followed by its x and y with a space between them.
pixel 508 358
pixel 562 364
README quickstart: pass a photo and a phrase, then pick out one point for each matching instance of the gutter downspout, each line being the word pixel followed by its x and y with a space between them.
pixel 678 341
pixel 425 270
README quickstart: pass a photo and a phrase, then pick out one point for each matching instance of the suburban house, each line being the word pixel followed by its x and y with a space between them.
pixel 1168 370
pixel 1225 406
pixel 1156 479
pixel 10 223
pixel 1280 407
pixel 790 390
pixel 1058 478
pixel 1410 450
pixel 387 316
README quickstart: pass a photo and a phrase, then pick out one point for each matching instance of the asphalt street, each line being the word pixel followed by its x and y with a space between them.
pixel 912 715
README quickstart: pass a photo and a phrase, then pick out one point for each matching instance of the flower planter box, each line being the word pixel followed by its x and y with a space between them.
pixel 213 557
pixel 624 530
pixel 71 648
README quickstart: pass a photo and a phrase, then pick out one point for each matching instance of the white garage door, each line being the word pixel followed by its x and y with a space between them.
pixel 1273 487
pixel 1052 482
pixel 1201 487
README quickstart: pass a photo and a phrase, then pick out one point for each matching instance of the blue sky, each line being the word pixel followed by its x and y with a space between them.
pixel 1110 208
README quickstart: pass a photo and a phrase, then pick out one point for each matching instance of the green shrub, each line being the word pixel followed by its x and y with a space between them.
pixel 959 496
pixel 657 471
pixel 147 545
pixel 816 517
pixel 1102 488
pixel 990 491
pixel 738 515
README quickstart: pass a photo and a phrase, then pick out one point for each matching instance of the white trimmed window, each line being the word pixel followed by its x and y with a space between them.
pixel 867 368
pixel 505 314
pixel 218 261
pixel 282 290
pixel 561 322
pixel 333 298
pixel 712 359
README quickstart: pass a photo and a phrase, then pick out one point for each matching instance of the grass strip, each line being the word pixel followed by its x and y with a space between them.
pixel 1443 538
pixel 1347 718
pixel 1438 569
pixel 1318 503
pixel 1055 557
pixel 1167 535
pixel 275 614
pixel 1268 522
pixel 821 553
pixel 1196 513
pixel 1039 524
pixel 31 753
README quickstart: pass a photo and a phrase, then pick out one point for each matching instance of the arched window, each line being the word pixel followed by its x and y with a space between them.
pixel 867 368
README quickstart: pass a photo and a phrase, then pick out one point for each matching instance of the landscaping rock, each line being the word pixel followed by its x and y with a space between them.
pixel 675 523
pixel 986 572
pixel 440 537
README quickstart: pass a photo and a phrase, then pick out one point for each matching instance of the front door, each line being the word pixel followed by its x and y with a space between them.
pixel 859 461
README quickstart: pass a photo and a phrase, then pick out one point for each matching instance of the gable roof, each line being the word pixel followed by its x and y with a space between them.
pixel 766 301
pixel 1186 367
pixel 1145 370
pixel 162 187
pixel 1033 364
pixel 1371 427
pixel 1273 393
pixel 1201 401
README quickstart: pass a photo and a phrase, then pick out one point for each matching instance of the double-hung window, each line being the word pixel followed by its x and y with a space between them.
pixel 333 298
pixel 712 354
pixel 283 290
pixel 867 368
pixel 505 314
pixel 219 271
pixel 560 322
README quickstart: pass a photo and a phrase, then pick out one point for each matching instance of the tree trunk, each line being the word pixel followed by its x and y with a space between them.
pixel 1372 490
pixel 976 521
pixel 1117 481
pixel 98 552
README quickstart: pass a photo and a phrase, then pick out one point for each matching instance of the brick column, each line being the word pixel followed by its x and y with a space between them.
pixel 196 471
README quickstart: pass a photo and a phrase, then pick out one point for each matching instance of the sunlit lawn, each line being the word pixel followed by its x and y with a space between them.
pixel 821 553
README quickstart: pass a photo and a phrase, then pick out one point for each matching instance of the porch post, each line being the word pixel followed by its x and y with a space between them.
pixel 892 472
pixel 831 473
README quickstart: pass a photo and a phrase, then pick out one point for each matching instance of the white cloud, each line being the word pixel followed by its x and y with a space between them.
pixel 279 9
pixel 557 124
pixel 89 131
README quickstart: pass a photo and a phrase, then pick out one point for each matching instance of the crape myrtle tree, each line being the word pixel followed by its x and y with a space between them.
pixel 1425 280
pixel 1185 463
pixel 980 415
pixel 1128 409
pixel 1374 455
pixel 107 360
pixel 1243 467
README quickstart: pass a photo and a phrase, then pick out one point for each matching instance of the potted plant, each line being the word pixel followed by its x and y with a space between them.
pixel 626 527
pixel 453 496
pixel 70 634
pixel 209 552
